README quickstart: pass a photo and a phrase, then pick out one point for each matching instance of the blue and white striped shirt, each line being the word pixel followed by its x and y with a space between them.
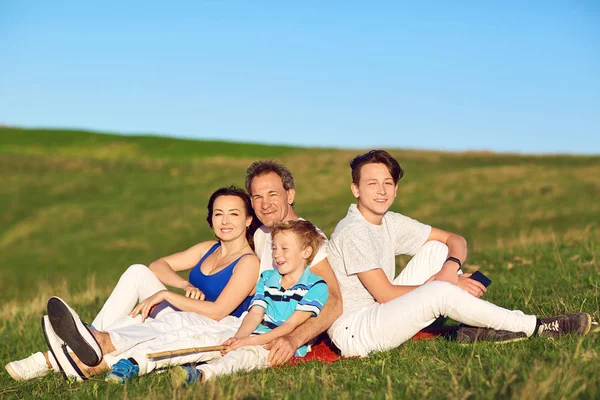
pixel 309 294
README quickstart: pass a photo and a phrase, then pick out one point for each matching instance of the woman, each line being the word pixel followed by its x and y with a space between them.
pixel 221 281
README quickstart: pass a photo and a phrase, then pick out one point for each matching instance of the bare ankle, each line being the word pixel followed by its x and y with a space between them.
pixel 47 357
pixel 104 340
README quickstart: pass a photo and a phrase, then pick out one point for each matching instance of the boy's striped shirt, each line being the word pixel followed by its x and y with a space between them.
pixel 309 294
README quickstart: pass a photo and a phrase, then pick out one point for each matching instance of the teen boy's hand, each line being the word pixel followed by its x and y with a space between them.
pixel 477 289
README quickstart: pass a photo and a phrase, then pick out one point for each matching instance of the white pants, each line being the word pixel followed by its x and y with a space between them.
pixel 135 285
pixel 168 330
pixel 386 326
pixel 243 359
pixel 184 331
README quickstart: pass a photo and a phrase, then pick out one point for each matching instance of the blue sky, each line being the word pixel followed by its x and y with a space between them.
pixel 507 76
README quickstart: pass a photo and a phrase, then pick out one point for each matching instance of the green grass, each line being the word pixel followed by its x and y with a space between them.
pixel 79 207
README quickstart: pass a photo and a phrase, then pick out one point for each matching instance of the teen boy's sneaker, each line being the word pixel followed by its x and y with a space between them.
pixel 185 375
pixel 74 332
pixel 31 367
pixel 122 371
pixel 578 323
pixel 470 334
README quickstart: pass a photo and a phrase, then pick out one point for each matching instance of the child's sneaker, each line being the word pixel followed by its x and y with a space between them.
pixel 578 323
pixel 122 371
pixel 185 375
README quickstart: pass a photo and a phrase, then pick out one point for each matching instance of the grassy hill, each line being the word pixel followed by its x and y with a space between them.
pixel 78 207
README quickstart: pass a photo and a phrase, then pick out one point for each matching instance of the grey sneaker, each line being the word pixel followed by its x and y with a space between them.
pixel 578 324
pixel 470 334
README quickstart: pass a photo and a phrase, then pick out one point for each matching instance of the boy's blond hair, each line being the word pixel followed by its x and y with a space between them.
pixel 306 234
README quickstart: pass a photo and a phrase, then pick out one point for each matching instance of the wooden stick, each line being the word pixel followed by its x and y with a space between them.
pixel 171 353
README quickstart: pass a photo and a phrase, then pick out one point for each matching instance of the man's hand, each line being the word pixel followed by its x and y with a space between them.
pixel 281 350
pixel 477 289
pixel 146 306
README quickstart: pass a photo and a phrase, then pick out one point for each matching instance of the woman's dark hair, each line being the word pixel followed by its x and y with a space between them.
pixel 241 193
pixel 376 157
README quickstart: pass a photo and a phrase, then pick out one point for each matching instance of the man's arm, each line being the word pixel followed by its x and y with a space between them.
pixel 283 348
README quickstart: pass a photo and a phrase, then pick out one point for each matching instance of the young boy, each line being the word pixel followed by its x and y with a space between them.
pixel 284 299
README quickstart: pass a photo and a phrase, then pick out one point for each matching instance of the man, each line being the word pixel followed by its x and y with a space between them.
pixel 272 190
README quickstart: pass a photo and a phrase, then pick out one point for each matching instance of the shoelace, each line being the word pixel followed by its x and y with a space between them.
pixel 550 326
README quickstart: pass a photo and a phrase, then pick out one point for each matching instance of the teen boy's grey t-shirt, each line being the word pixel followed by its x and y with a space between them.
pixel 356 246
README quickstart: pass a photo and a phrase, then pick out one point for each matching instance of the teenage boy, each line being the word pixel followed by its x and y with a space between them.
pixel 286 297
pixel 381 312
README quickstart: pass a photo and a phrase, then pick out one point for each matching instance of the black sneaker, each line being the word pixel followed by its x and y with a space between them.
pixel 470 334
pixel 578 324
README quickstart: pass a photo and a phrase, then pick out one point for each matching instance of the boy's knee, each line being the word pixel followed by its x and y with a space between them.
pixel 442 288
pixel 436 248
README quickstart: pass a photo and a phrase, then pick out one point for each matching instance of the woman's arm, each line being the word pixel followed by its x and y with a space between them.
pixel 240 285
pixel 166 268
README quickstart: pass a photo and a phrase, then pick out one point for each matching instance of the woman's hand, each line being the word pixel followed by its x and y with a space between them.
pixel 146 306
pixel 193 292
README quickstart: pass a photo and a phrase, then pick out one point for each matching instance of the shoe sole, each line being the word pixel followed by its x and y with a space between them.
pixel 589 324
pixel 114 379
pixel 519 339
pixel 12 372
pixel 65 326
pixel 67 366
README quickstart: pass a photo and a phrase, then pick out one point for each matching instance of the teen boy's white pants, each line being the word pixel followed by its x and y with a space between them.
pixel 385 326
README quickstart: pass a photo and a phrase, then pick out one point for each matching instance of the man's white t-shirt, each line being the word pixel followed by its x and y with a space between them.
pixel 356 246
pixel 263 247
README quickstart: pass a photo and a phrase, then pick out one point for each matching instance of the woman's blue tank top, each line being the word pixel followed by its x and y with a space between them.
pixel 213 285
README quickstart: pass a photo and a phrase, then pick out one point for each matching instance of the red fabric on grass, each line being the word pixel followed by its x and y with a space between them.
pixel 324 351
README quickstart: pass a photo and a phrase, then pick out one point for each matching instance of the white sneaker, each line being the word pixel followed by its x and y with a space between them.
pixel 31 367
pixel 60 351
pixel 69 327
